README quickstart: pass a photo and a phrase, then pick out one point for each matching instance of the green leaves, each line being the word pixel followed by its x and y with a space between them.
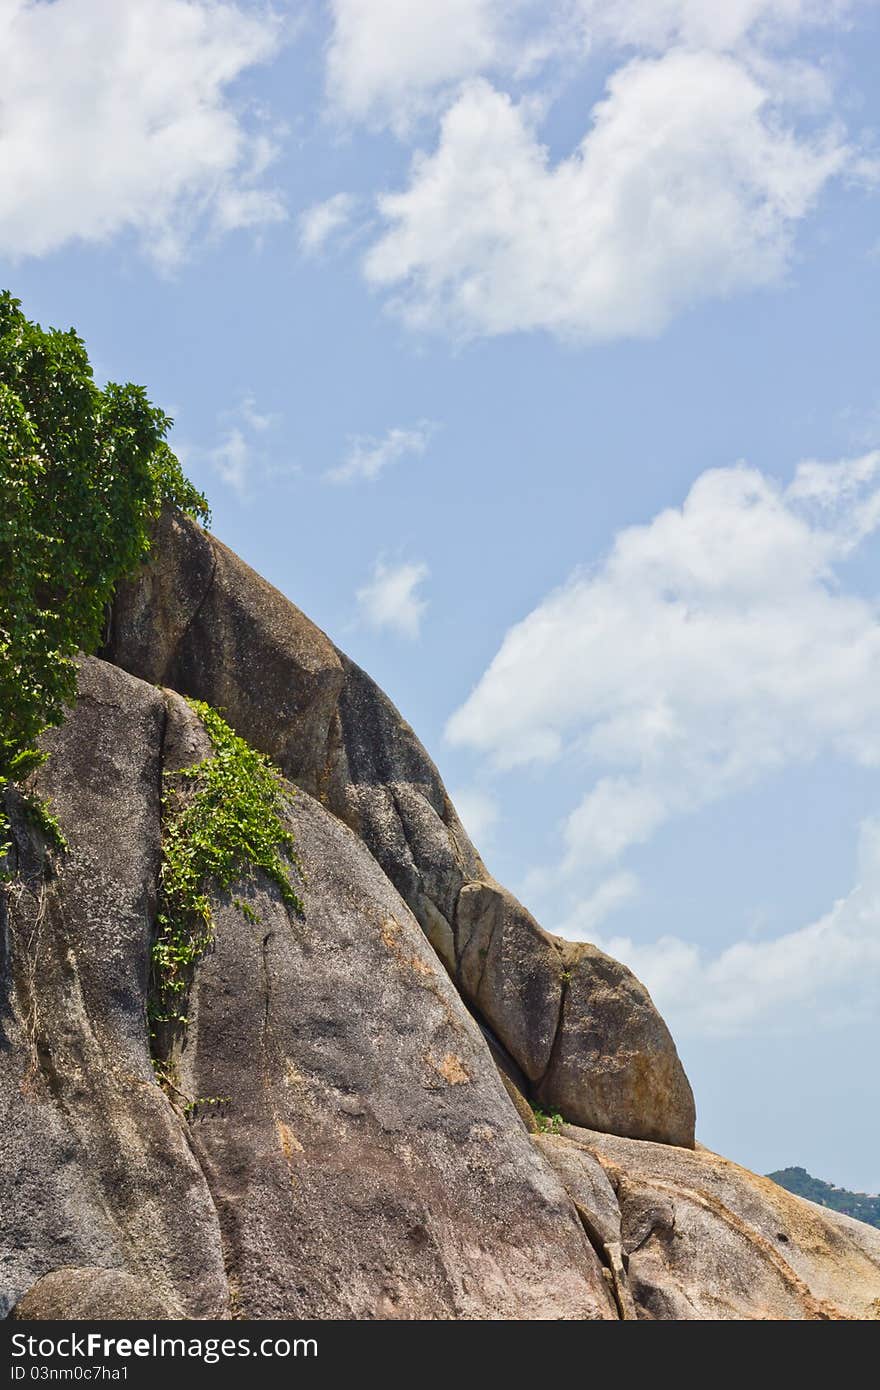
pixel 547 1124
pixel 222 823
pixel 83 474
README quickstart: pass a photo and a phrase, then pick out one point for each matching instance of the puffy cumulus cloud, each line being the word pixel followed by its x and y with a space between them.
pixel 392 62
pixel 823 974
pixel 688 185
pixel 115 116
pixel 322 221
pixel 689 182
pixel 712 645
pixel 390 600
pixel 617 813
pixel 368 457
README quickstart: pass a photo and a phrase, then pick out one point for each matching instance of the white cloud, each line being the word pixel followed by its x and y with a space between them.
pixel 687 185
pixel 714 644
pixel 390 599
pixel 368 457
pixel 689 182
pixel 239 457
pixel 478 812
pixel 390 63
pixel 233 459
pixel 324 220
pixel 617 813
pixel 590 912
pixel 115 117
pixel 705 24
pixel 840 493
pixel 255 419
pixel 394 62
pixel 824 974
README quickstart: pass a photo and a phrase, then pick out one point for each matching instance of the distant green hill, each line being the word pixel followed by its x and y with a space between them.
pixel 858 1204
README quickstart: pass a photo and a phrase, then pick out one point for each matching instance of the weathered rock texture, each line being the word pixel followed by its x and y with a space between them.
pixel 199 620
pixel 348 1132
pixel 352 1151
pixel 75 1295
pixel 97 1169
pixel 701 1238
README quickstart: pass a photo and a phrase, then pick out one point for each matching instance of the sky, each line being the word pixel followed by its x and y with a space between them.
pixel 531 349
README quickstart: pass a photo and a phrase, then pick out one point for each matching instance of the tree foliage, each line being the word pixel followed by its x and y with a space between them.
pixel 863 1206
pixel 84 472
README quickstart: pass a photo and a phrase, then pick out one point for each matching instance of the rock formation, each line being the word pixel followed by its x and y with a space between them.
pixel 350 1129
pixel 202 622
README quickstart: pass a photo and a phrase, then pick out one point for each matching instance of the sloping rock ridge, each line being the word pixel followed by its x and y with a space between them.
pixel 341 1144
pixel 350 1130
pixel 199 620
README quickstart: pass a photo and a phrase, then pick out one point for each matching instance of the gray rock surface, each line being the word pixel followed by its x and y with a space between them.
pixel 580 1025
pixel 198 619
pixel 368 1162
pixel 588 1185
pixel 581 1028
pixel 70 1295
pixel 339 1143
pixel 704 1239
pixel 595 1200
pixel 614 1065
pixel 97 1168
pixel 512 970
pixel 338 1140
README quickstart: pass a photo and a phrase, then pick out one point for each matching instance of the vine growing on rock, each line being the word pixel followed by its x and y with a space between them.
pixel 84 472
pixel 223 821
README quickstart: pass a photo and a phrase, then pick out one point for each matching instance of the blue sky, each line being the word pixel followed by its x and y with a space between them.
pixel 532 350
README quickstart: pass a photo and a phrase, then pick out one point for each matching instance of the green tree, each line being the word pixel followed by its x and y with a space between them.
pixel 83 474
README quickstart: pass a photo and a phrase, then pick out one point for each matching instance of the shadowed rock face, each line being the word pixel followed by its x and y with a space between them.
pixel 579 1026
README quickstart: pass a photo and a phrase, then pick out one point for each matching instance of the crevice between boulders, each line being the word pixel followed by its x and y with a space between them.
pixel 29 861
pixel 613 1269
pixel 557 1032
pixel 484 951
pixel 422 895
pixel 154 1048
pixel 267 989
pixel 505 1062
pixel 406 840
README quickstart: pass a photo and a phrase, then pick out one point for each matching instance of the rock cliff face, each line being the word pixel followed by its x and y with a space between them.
pixel 350 1134
pixel 199 620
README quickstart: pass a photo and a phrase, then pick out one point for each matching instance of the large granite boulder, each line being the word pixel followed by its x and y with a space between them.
pixel 336 1141
pixel 199 620
pixel 336 1135
pixel 581 1029
pixel 580 1025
